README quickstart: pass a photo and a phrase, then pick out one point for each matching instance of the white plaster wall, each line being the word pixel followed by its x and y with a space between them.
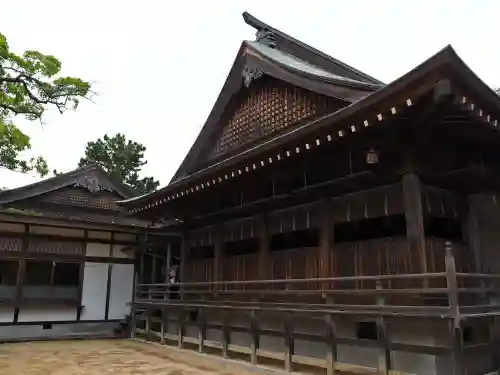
pixel 97 250
pixel 122 283
pixel 46 314
pixel 119 253
pixel 38 229
pixel 95 281
pixel 6 314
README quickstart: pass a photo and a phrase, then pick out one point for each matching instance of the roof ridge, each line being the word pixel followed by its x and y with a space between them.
pixel 123 189
pixel 260 26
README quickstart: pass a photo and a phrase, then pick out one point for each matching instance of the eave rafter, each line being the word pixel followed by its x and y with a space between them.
pixel 326 137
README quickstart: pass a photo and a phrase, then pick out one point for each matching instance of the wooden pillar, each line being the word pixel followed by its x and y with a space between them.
pixel 415 232
pixel 325 243
pixel 168 261
pixel 218 255
pixel 184 258
pixel 472 233
pixel 264 243
pixel 456 334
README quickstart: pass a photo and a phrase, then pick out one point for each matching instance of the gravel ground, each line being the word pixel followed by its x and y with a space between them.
pixel 88 357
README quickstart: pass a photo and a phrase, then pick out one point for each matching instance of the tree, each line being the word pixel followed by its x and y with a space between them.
pixel 29 85
pixel 122 159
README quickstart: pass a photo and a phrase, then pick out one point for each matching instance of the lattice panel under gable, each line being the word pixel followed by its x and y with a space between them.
pixel 267 107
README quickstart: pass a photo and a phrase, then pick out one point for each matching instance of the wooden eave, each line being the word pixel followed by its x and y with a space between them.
pixel 24 218
pixel 60 181
pixel 369 111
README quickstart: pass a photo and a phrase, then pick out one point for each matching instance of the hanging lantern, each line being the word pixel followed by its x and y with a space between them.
pixel 372 157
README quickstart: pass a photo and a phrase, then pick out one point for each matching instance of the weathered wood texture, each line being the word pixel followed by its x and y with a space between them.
pixel 267 107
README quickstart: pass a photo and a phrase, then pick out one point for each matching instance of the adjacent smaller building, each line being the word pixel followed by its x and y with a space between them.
pixel 66 265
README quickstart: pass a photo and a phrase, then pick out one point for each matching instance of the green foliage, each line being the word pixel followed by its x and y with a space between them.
pixel 29 85
pixel 122 159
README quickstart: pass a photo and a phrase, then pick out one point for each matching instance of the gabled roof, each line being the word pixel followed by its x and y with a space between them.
pixel 300 49
pixel 444 64
pixel 91 174
pixel 286 59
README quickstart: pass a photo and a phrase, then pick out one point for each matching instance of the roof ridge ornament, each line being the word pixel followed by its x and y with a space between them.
pixel 251 73
pixel 266 36
pixel 92 184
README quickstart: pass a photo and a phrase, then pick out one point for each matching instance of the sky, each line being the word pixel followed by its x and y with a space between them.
pixel 158 66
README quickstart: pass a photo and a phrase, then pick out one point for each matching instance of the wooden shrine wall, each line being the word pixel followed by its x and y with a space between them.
pixel 371 256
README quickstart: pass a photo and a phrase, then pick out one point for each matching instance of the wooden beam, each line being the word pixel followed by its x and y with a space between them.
pixel 415 232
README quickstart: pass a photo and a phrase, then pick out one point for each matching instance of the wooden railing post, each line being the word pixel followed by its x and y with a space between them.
pixel 133 321
pixel 226 335
pixel 451 282
pixel 289 342
pixel 455 328
pixel 254 332
pixel 202 330
pixel 384 359
pixel 164 325
pixel 180 328
pixel 331 345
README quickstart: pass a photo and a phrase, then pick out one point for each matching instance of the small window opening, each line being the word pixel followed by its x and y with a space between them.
pixel 295 240
pixel 468 335
pixel 242 247
pixel 366 331
pixel 380 227
pixel 47 326
pixel 442 227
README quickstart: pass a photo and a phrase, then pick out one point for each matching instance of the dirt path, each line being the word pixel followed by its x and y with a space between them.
pixel 110 357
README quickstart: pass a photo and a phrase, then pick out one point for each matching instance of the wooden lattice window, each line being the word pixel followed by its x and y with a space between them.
pixel 267 107
pixel 54 247
pixel 10 244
